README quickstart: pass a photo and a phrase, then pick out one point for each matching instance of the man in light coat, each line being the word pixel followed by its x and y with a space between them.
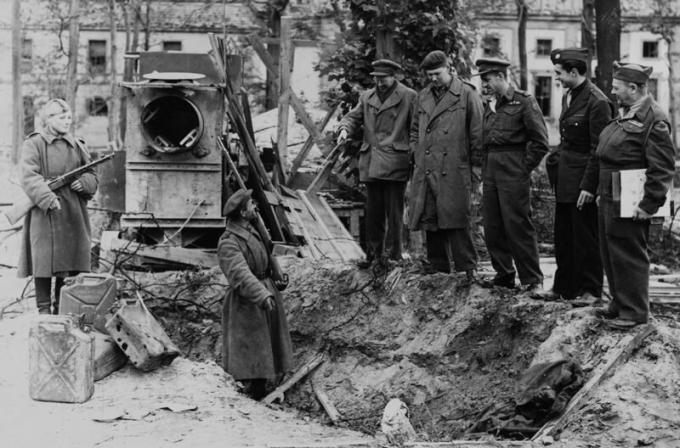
pixel 445 133
pixel 56 233
pixel 384 113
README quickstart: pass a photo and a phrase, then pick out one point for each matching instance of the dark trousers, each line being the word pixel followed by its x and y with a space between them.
pixel 43 293
pixel 506 210
pixel 577 251
pixel 451 244
pixel 623 245
pixel 384 218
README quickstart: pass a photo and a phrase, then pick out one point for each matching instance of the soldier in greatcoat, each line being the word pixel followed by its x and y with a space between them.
pixel 515 141
pixel 638 139
pixel 56 232
pixel 586 110
pixel 256 344
pixel 445 133
pixel 385 114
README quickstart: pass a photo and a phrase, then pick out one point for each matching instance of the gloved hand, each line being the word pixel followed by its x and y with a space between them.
pixel 342 136
pixel 269 304
pixel 55 205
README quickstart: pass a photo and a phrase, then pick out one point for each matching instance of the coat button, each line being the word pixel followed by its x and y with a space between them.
pixel 428 130
pixel 427 152
pixel 443 173
pixel 445 153
pixel 427 171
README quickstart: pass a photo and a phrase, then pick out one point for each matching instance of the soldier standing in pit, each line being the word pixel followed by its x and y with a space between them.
pixel 585 112
pixel 446 131
pixel 515 141
pixel 639 139
pixel 385 114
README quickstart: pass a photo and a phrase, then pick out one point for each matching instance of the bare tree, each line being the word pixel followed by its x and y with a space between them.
pixel 587 27
pixel 608 29
pixel 522 13
pixel 17 101
pixel 274 12
pixel 114 102
pixel 72 67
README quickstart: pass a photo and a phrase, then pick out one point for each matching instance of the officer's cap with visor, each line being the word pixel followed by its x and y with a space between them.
pixel 491 65
pixel 385 67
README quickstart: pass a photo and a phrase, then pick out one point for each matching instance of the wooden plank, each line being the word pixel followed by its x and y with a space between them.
pixel 346 241
pixel 180 255
pixel 469 444
pixel 326 169
pixel 299 374
pixel 284 89
pixel 295 205
pixel 325 401
pixel 336 444
pixel 307 146
pixel 625 348
pixel 321 226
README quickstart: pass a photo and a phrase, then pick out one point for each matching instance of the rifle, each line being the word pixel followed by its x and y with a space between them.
pixel 280 279
pixel 23 204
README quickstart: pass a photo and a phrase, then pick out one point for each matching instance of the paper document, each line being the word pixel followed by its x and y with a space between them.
pixel 631 185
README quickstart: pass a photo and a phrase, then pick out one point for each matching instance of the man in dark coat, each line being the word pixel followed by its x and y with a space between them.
pixel 385 114
pixel 56 234
pixel 585 112
pixel 445 133
pixel 515 141
pixel 638 139
pixel 256 345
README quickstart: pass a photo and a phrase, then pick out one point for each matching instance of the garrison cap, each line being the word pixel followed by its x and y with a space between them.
pixel 55 106
pixel 434 59
pixel 384 67
pixel 236 201
pixel 629 72
pixel 487 65
pixel 560 55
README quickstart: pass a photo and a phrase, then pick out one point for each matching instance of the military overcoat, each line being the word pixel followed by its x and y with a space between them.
pixel 444 136
pixel 384 153
pixel 255 342
pixel 55 241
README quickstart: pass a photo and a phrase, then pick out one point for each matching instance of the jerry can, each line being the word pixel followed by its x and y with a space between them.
pixel 91 295
pixel 61 360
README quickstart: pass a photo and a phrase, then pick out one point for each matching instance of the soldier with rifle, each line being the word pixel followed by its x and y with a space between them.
pixel 56 233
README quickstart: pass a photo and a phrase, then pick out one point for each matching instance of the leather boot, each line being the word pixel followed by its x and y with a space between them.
pixel 43 299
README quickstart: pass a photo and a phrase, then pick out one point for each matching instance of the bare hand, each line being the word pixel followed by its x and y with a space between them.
pixel 342 136
pixel 55 205
pixel 640 215
pixel 77 186
pixel 269 304
pixel 584 198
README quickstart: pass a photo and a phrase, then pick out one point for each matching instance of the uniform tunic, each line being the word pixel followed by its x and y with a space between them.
pixel 640 141
pixel 255 342
pixel 55 242
pixel 515 141
pixel 383 164
pixel 579 267
pixel 445 134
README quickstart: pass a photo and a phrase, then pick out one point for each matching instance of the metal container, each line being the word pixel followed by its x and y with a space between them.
pixel 92 295
pixel 61 360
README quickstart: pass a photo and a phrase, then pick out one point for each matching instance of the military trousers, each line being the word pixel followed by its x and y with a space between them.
pixel 623 246
pixel 384 218
pixel 447 245
pixel 577 251
pixel 506 212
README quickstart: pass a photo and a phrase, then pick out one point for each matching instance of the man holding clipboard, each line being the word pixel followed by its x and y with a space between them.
pixel 638 139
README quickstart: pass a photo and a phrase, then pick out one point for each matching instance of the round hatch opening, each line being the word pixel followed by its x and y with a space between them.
pixel 172 124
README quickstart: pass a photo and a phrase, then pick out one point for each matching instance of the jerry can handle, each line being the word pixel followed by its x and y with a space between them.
pixel 92 276
pixel 141 302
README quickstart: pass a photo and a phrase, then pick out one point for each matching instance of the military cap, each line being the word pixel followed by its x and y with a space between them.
pixel 629 72
pixel 487 65
pixel 434 59
pixel 560 55
pixel 384 67
pixel 55 106
pixel 236 201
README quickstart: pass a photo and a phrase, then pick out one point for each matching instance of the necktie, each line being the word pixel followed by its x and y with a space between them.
pixel 568 98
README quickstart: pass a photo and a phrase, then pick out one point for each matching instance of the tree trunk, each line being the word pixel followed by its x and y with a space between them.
pixel 274 49
pixel 72 68
pixel 522 12
pixel 385 47
pixel 608 32
pixel 587 35
pixel 114 114
pixel 17 100
pixel 147 25
pixel 671 87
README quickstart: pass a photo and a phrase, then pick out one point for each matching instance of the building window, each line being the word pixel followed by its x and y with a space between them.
pixel 650 49
pixel 652 87
pixel 543 47
pixel 27 55
pixel 96 56
pixel 97 106
pixel 543 93
pixel 491 45
pixel 172 45
pixel 29 115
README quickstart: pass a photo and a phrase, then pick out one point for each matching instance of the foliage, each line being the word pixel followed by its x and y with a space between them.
pixel 415 27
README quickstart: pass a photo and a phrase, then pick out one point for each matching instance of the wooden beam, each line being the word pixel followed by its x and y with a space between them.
pixel 325 401
pixel 299 374
pixel 180 255
pixel 326 169
pixel 625 348
pixel 307 146
pixel 284 89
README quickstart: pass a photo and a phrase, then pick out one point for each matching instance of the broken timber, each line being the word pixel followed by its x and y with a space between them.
pixel 299 374
pixel 625 348
pixel 326 402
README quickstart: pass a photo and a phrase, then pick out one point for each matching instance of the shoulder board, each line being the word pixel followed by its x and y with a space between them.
pixel 33 134
pixel 514 102
pixel 524 93
pixel 636 123
pixel 469 84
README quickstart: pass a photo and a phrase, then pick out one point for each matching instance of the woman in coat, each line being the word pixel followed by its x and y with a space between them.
pixel 256 345
pixel 56 238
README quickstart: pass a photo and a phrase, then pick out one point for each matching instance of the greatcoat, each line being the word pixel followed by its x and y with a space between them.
pixel 444 136
pixel 255 342
pixel 384 153
pixel 55 241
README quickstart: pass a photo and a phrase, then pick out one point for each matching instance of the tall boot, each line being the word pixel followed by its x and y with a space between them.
pixel 43 289
pixel 58 283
